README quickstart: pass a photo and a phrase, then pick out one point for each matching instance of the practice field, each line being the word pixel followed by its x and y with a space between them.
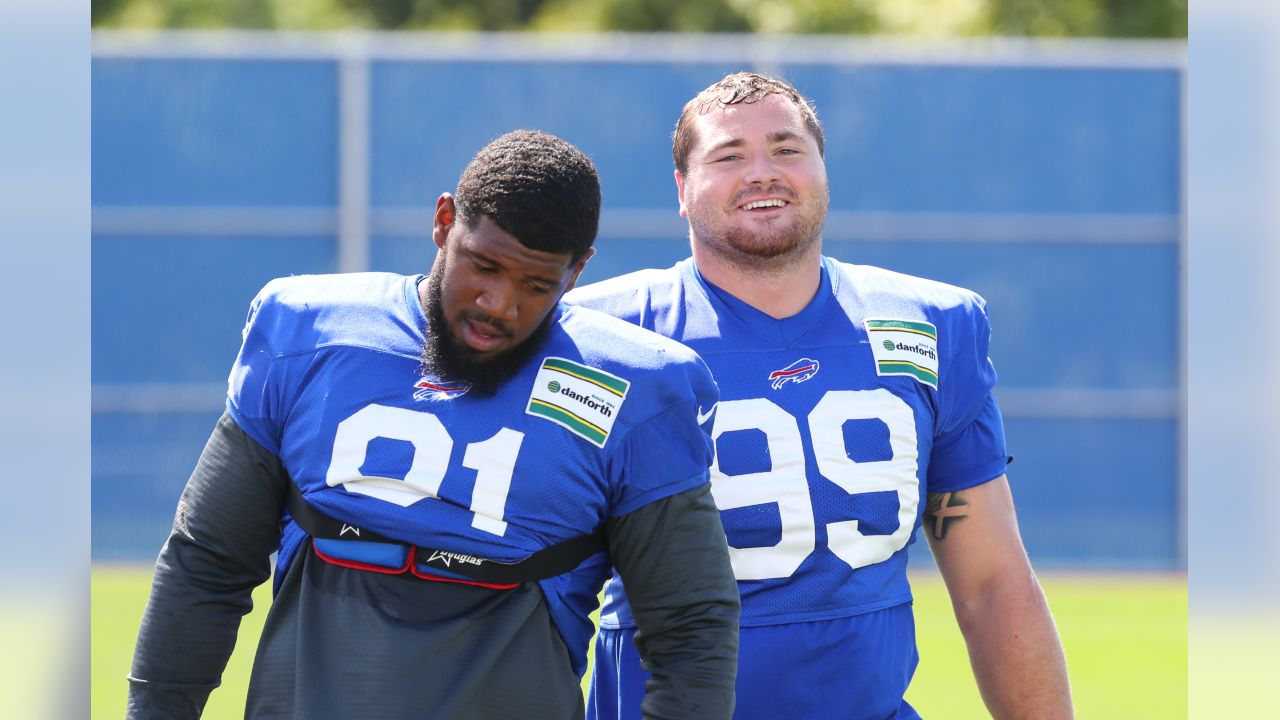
pixel 1125 638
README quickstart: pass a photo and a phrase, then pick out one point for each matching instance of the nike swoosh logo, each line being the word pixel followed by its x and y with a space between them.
pixel 705 416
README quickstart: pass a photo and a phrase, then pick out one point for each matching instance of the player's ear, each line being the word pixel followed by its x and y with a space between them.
pixel 577 269
pixel 445 214
pixel 684 211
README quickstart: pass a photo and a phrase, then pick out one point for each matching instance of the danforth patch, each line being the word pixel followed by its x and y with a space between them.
pixel 581 399
pixel 905 347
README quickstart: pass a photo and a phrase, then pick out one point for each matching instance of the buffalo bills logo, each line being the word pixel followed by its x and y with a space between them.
pixel 432 390
pixel 796 372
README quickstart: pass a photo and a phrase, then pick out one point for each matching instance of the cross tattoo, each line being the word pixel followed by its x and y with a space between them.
pixel 944 509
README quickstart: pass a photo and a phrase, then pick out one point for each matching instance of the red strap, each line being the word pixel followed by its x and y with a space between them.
pixel 409 566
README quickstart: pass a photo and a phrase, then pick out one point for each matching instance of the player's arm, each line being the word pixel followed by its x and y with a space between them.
pixel 674 561
pixel 225 529
pixel 1013 644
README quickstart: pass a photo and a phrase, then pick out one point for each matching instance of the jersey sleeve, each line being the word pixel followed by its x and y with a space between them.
pixel 624 297
pixel 670 451
pixel 969 445
pixel 255 396
pixel 224 531
pixel 674 559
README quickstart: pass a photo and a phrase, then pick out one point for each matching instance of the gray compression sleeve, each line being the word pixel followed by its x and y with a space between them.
pixel 225 529
pixel 674 562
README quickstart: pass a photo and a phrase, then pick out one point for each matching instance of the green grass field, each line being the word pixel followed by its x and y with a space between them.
pixel 1125 639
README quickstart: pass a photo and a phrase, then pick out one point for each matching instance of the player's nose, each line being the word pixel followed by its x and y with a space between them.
pixel 761 169
pixel 498 299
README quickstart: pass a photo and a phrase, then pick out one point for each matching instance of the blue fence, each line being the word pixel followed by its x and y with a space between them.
pixel 1046 178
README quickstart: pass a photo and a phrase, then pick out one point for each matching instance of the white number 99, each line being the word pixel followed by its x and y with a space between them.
pixel 786 484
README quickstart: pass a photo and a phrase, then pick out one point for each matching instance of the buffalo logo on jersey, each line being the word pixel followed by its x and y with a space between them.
pixel 583 400
pixel 426 389
pixel 905 347
pixel 796 372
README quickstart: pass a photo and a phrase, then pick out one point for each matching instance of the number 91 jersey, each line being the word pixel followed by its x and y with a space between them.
pixel 833 425
pixel 599 422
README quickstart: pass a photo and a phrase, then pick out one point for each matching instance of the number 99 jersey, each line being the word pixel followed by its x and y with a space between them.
pixel 832 427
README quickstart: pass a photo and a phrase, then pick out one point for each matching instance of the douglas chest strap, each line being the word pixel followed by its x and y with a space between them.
pixel 549 562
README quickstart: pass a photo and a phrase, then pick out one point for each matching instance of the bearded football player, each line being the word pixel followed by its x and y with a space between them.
pixel 449 467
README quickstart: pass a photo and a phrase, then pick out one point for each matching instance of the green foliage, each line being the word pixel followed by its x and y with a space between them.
pixel 673 16
pixel 1037 18
pixel 1103 18
pixel 1051 18
pixel 1146 19
pixel 443 14
pixel 102 10
pixel 384 13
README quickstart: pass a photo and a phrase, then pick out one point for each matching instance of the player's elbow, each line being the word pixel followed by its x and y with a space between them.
pixel 1001 598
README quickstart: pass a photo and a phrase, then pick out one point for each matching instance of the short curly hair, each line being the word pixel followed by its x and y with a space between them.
pixel 735 89
pixel 536 187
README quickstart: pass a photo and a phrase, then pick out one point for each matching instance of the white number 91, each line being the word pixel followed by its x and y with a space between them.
pixel 786 484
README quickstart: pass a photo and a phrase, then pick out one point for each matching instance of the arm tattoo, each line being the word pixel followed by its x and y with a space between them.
pixel 943 511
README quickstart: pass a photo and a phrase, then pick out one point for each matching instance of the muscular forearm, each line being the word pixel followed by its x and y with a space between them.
pixel 1015 651
pixel 1013 644
pixel 674 562
pixel 224 531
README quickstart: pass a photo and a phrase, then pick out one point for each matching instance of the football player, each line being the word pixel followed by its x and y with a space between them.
pixel 855 405
pixel 449 467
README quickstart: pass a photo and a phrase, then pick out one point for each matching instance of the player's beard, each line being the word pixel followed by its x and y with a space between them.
pixel 762 248
pixel 448 359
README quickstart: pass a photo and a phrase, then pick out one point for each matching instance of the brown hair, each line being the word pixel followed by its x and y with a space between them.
pixel 738 88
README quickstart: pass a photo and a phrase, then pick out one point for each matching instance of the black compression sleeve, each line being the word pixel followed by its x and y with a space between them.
pixel 225 529
pixel 674 563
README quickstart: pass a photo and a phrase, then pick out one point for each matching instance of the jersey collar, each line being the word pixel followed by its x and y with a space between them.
pixel 785 331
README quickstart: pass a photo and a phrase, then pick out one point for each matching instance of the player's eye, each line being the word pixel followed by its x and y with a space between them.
pixel 486 268
pixel 540 288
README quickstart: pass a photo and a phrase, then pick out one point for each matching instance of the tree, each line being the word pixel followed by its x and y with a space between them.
pixel 1055 18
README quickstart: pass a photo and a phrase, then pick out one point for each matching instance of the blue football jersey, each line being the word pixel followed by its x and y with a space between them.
pixel 601 421
pixel 832 427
